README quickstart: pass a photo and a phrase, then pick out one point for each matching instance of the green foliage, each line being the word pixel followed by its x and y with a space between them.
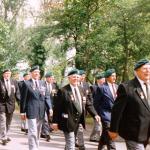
pixel 106 34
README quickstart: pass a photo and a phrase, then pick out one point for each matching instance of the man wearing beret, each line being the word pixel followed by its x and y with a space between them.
pixel 52 89
pixel 69 109
pixel 9 92
pixel 104 101
pixel 131 111
pixel 79 132
pixel 24 126
pixel 35 100
pixel 97 128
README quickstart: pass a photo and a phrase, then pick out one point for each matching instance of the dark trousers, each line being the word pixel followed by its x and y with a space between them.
pixel 105 139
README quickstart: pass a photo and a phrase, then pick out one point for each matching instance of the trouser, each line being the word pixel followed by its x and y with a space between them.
pixel 34 129
pixel 45 126
pixel 132 145
pixel 96 132
pixel 79 134
pixel 105 139
pixel 69 141
pixel 5 122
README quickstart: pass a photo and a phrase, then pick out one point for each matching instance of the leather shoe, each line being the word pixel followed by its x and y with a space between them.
pixel 94 140
pixel 43 136
pixel 82 147
pixel 48 138
pixel 76 145
pixel 23 130
pixel 4 142
pixel 8 139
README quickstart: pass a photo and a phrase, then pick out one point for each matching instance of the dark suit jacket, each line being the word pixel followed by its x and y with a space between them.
pixel 131 113
pixel 34 101
pixel 87 90
pixel 7 103
pixel 66 114
pixel 104 102
pixel 53 92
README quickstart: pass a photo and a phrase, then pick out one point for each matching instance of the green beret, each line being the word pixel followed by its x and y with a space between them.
pixel 109 72
pixel 6 70
pixel 100 76
pixel 34 68
pixel 140 63
pixel 73 71
pixel 81 72
pixel 48 74
pixel 25 74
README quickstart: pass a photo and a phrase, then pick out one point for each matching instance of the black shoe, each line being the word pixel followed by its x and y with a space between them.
pixel 4 142
pixel 82 147
pixel 76 145
pixel 23 130
pixel 94 140
pixel 43 136
pixel 8 139
pixel 48 138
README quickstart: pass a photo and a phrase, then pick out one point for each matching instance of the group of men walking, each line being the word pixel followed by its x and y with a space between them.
pixel 119 110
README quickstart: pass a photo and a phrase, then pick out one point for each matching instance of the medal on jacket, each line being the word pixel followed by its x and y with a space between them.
pixel 141 95
pixel 84 99
pixel 72 97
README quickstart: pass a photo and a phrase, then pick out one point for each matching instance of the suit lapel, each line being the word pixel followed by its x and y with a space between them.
pixel 109 92
pixel 72 99
pixel 141 94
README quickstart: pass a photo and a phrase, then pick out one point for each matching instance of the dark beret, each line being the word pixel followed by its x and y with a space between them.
pixel 25 74
pixel 6 70
pixel 73 71
pixel 140 63
pixel 34 68
pixel 109 72
pixel 48 74
pixel 100 76
pixel 81 72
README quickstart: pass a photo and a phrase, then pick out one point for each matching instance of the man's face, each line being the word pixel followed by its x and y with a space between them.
pixel 82 78
pixel 35 74
pixel 144 72
pixel 112 79
pixel 50 79
pixel 27 77
pixel 7 75
pixel 101 81
pixel 74 79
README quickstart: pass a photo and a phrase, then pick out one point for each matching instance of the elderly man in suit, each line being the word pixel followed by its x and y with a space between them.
pixel 104 101
pixel 131 111
pixel 24 126
pixel 97 128
pixel 9 92
pixel 79 132
pixel 35 100
pixel 52 89
pixel 69 109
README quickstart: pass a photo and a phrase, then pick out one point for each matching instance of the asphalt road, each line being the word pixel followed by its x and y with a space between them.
pixel 19 139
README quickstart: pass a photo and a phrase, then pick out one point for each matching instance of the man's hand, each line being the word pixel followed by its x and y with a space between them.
pixel 54 126
pixel 23 116
pixel 51 112
pixel 98 119
pixel 113 135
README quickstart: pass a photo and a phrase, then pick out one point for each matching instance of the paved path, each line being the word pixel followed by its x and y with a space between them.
pixel 19 140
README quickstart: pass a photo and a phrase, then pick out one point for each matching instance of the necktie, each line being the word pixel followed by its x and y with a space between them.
pixel 8 87
pixel 114 91
pixel 36 84
pixel 77 101
pixel 147 92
